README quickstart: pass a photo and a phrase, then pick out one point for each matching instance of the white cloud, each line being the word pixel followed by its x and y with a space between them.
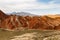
pixel 25 5
pixel 8 1
pixel 16 4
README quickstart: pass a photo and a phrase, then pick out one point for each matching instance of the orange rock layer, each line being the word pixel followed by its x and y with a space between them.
pixel 13 22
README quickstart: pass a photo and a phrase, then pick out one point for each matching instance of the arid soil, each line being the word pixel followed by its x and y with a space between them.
pixel 44 35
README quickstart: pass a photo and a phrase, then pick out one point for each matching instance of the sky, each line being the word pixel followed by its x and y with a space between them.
pixel 39 7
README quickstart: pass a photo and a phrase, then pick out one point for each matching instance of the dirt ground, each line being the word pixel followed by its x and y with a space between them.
pixel 30 35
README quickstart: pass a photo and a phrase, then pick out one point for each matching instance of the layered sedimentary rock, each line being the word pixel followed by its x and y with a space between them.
pixel 13 22
pixel 2 15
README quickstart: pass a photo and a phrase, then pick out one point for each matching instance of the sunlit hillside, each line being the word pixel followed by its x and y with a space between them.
pixel 53 16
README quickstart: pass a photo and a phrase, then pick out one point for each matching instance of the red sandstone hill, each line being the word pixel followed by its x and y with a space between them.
pixel 2 15
pixel 12 22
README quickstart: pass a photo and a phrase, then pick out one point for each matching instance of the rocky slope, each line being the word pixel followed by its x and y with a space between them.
pixel 2 15
pixel 12 22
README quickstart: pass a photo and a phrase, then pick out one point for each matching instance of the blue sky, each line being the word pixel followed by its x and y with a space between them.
pixel 44 1
pixel 39 7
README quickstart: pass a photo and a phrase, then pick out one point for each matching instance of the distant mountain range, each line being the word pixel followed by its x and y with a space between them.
pixel 23 14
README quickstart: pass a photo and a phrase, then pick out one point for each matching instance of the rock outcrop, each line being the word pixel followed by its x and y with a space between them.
pixel 13 22
pixel 2 15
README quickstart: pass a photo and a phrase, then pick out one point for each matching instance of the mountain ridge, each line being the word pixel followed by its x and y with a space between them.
pixel 18 22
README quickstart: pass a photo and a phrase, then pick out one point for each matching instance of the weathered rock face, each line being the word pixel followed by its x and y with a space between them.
pixel 34 22
pixel 14 22
pixel 2 15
